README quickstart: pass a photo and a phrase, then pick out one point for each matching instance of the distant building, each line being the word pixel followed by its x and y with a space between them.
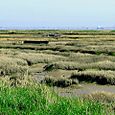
pixel 99 28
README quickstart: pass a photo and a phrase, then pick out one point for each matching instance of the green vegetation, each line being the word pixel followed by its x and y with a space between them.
pixel 39 100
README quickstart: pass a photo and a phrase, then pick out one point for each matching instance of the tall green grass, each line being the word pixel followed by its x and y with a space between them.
pixel 40 100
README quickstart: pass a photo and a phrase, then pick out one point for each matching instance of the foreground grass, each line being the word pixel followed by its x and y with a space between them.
pixel 40 100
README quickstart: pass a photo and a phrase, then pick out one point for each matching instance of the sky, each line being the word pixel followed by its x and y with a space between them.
pixel 57 13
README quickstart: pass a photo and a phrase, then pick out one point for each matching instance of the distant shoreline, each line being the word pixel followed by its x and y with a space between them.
pixel 56 28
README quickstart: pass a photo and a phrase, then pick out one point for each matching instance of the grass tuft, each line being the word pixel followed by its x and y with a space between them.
pixel 100 77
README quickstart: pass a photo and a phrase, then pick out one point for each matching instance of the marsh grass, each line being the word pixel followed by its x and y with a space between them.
pixel 34 58
pixel 59 82
pixel 9 66
pixel 67 65
pixel 84 46
pixel 100 77
pixel 106 98
pixel 16 81
pixel 89 53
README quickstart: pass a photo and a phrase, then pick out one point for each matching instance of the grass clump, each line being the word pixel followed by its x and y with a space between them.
pixel 100 77
pixel 106 98
pixel 60 82
pixel 12 66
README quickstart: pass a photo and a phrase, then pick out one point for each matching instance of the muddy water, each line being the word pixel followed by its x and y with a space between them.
pixel 84 89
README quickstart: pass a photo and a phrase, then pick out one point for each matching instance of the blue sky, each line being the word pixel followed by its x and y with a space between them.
pixel 57 13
